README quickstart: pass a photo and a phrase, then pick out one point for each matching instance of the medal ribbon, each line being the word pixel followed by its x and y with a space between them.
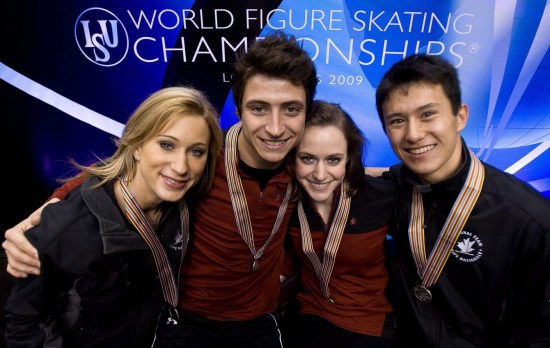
pixel 324 269
pixel 137 217
pixel 238 198
pixel 429 270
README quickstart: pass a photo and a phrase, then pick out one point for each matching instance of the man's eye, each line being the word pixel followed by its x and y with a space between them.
pixel 427 114
pixel 258 109
pixel 292 110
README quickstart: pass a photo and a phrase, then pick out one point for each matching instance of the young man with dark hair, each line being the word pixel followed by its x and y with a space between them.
pixel 473 243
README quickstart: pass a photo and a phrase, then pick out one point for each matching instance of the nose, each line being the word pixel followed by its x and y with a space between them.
pixel 275 125
pixel 179 163
pixel 415 131
pixel 319 173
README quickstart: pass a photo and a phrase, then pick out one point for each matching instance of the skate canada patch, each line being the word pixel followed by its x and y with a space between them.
pixel 468 247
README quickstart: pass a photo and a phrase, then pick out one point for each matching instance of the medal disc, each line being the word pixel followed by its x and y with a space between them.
pixel 422 294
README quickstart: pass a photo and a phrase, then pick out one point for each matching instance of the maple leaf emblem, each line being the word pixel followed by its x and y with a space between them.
pixel 466 246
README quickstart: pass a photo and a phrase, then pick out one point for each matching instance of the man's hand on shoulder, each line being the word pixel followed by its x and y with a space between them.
pixel 22 256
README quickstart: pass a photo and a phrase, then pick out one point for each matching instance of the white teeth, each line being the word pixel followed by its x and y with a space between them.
pixel 274 142
pixel 421 150
pixel 319 185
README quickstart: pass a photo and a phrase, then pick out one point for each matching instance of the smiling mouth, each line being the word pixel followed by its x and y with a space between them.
pixel 319 186
pixel 175 184
pixel 274 142
pixel 420 150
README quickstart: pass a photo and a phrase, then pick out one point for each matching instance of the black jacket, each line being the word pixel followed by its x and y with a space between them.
pixel 494 290
pixel 98 285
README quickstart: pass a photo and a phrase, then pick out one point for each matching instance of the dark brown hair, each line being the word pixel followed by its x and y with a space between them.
pixel 279 56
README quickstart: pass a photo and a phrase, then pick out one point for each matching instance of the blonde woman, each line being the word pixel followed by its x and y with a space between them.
pixel 110 253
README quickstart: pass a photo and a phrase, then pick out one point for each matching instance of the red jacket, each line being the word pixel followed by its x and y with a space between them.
pixel 216 278
pixel 359 277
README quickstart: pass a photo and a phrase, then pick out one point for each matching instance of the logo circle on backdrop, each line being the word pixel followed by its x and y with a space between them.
pixel 101 36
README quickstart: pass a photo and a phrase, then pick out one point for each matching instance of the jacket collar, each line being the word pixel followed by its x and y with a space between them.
pixel 113 227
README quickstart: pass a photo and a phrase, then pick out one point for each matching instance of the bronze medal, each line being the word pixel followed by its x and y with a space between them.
pixel 422 293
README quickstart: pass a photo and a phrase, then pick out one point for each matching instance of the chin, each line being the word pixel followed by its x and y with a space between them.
pixel 278 154
pixel 274 160
pixel 173 197
pixel 318 196
pixel 319 199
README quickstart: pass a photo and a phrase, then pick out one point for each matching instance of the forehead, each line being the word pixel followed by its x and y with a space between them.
pixel 272 89
pixel 415 88
pixel 323 139
pixel 186 125
pixel 414 95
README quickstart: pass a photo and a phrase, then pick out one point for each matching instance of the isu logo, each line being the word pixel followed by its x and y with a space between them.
pixel 101 37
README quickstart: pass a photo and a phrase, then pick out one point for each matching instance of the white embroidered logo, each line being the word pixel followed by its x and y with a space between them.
pixel 468 248
pixel 177 244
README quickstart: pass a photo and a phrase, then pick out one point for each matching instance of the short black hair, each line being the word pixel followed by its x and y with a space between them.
pixel 420 68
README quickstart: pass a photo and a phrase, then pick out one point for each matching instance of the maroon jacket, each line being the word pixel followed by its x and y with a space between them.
pixel 216 278
pixel 359 278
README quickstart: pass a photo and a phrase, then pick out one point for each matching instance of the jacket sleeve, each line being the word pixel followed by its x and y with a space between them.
pixel 528 309
pixel 22 317
pixel 29 308
pixel 391 177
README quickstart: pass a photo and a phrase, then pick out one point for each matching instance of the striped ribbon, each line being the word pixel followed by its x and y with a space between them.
pixel 429 270
pixel 238 198
pixel 137 217
pixel 332 243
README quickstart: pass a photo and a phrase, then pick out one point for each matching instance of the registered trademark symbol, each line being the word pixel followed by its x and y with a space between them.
pixel 474 48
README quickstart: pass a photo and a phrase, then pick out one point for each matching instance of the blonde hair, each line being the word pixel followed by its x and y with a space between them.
pixel 148 120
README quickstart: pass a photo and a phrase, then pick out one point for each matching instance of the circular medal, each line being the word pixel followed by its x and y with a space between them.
pixel 422 293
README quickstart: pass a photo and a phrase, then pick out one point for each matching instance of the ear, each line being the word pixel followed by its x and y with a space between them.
pixel 462 117
pixel 136 155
